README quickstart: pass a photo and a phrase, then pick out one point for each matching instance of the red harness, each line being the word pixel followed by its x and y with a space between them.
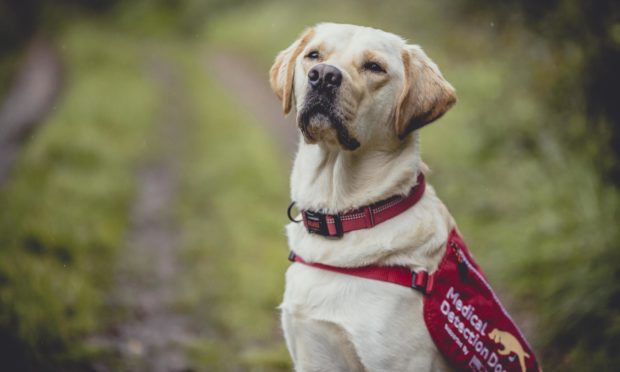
pixel 463 315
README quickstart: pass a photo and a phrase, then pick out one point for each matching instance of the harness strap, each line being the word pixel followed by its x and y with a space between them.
pixel 464 317
pixel 419 280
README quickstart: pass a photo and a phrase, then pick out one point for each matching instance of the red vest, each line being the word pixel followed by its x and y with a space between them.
pixel 464 317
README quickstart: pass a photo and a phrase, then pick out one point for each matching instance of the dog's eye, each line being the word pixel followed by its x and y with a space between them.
pixel 374 67
pixel 313 55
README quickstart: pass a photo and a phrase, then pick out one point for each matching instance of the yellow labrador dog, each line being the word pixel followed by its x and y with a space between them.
pixel 360 96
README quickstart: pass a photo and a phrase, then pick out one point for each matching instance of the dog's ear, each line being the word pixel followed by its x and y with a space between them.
pixel 283 70
pixel 426 94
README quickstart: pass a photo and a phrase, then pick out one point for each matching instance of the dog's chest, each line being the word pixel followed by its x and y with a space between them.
pixel 382 320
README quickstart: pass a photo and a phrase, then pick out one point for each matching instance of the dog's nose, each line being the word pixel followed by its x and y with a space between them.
pixel 324 76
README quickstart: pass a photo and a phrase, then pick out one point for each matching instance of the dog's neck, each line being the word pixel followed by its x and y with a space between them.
pixel 332 180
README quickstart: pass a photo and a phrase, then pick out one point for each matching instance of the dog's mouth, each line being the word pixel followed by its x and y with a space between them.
pixel 319 117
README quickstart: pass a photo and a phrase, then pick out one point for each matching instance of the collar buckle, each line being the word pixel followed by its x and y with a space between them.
pixel 317 223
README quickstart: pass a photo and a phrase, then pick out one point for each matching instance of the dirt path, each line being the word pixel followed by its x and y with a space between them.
pixel 28 102
pixel 251 86
pixel 154 333
pixel 153 336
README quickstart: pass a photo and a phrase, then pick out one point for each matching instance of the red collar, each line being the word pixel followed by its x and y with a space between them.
pixel 335 225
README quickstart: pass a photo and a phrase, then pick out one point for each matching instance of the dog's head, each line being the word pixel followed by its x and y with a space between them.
pixel 356 85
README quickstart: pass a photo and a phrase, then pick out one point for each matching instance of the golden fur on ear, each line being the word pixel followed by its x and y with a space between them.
pixel 426 94
pixel 283 70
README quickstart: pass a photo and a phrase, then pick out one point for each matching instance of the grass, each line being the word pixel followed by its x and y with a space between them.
pixel 64 209
pixel 232 216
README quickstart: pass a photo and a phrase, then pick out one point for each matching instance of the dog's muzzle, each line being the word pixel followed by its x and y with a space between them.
pixel 324 82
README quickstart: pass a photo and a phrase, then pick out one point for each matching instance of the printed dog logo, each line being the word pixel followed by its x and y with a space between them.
pixel 510 344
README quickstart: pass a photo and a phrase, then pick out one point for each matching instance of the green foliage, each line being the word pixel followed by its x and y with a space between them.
pixel 164 17
pixel 64 211
pixel 21 19
pixel 584 44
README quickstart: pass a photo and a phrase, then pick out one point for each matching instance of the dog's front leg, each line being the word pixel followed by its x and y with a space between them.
pixel 319 346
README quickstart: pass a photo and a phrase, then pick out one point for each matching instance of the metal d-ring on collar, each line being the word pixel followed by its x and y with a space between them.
pixel 288 212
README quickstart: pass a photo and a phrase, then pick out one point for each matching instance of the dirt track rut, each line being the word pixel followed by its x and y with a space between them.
pixel 153 335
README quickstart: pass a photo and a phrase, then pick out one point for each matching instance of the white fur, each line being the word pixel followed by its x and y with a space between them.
pixel 336 322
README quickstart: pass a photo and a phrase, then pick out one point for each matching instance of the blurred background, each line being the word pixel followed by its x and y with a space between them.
pixel 144 165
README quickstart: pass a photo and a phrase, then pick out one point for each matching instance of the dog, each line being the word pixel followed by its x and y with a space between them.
pixel 361 96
